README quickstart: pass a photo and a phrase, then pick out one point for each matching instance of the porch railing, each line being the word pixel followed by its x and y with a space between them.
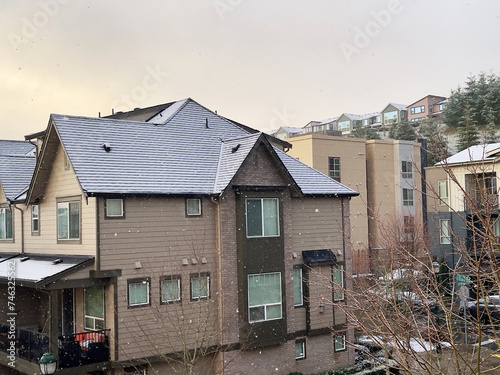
pixel 30 345
pixel 83 348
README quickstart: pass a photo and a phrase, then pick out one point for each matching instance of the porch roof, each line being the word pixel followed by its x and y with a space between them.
pixel 39 269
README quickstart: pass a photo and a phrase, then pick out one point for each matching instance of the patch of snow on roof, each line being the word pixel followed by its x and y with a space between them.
pixel 166 114
pixel 472 154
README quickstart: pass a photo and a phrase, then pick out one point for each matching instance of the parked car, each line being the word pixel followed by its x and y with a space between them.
pixel 485 308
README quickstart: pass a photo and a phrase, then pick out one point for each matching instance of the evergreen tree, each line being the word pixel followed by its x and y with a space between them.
pixel 436 143
pixel 402 131
pixel 366 132
pixel 467 136
pixel 490 135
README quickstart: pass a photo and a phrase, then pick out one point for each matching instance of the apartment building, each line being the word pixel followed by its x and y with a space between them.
pixel 187 234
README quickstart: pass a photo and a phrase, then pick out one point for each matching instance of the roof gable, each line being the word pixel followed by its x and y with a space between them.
pixel 15 174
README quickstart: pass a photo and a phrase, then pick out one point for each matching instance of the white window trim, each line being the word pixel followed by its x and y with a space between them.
pixel 68 202
pixel 170 278
pixel 94 318
pixel 343 346
pixel 443 238
pixel 408 202
pixel 37 218
pixel 302 343
pixel 197 277
pixel 266 304
pixel 262 217
pixel 5 210
pixel 443 200
pixel 143 281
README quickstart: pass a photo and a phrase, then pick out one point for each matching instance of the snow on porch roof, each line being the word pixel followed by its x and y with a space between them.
pixel 38 269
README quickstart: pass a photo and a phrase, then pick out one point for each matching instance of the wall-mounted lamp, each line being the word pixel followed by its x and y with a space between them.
pixel 321 309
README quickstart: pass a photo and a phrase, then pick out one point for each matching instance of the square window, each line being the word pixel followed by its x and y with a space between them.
pixel 200 286
pixel 298 289
pixel 114 208
pixel 5 224
pixel 35 219
pixel 339 343
pixel 138 292
pixel 264 297
pixel 68 220
pixel 300 349
pixel 338 282
pixel 193 207
pixel 170 288
pixel 262 217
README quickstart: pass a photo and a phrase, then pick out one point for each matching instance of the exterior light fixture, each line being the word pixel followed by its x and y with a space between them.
pixel 48 364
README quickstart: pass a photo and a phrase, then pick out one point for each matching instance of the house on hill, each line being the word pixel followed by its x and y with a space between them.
pixel 186 236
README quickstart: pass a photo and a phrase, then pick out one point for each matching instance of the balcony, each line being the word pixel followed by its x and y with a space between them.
pixel 84 348
pixel 30 345
pixel 485 204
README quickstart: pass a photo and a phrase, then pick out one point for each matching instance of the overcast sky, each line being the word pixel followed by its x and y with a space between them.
pixel 262 63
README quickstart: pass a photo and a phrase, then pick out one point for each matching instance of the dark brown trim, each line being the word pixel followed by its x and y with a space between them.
pixel 106 217
pixel 105 274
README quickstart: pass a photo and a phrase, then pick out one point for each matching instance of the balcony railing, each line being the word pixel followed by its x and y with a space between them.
pixel 83 348
pixel 488 203
pixel 30 345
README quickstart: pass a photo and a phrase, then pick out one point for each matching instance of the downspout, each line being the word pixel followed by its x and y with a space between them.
pixel 97 237
pixel 219 265
pixel 22 228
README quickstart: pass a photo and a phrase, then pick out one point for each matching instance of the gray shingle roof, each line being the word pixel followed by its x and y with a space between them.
pixel 15 174
pixel 192 153
pixel 8 147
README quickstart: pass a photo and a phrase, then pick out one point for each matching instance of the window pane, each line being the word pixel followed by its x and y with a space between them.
pixel 445 232
pixel 256 313
pixel 74 219
pixel 273 312
pixel 299 350
pixel 34 218
pixel 339 343
pixel 264 289
pixel 297 287
pixel 114 207
pixel 254 217
pixel 138 293
pixel 193 207
pixel 62 221
pixel 443 192
pixel 270 217
pixel 94 301
pixel 338 283
pixel 199 287
pixel 170 290
pixel 2 224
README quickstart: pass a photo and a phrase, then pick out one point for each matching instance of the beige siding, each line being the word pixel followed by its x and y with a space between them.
pixel 61 183
pixel 157 234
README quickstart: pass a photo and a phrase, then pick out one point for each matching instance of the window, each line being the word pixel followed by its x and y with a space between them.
pixel 344 126
pixel 339 343
pixel 407 197
pixel 200 286
pixel 68 220
pixel 114 208
pixel 417 109
pixel 378 119
pixel 298 290
pixel 443 192
pixel 444 232
pixel 495 228
pixel 138 292
pixel 193 207
pixel 338 283
pixel 409 228
pixel 94 307
pixel 390 117
pixel 170 287
pixel 407 169
pixel 300 349
pixel 264 297
pixel 334 168
pixel 490 183
pixel 35 219
pixel 262 217
pixel 442 107
pixel 5 224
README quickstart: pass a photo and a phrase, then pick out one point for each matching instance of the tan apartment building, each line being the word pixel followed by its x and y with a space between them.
pixel 385 173
pixel 156 241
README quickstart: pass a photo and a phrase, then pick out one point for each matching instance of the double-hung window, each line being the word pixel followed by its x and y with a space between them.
pixel 94 307
pixel 264 297
pixel 444 231
pixel 262 215
pixel 35 219
pixel 138 292
pixel 407 169
pixel 298 290
pixel 407 197
pixel 339 343
pixel 170 287
pixel 338 282
pixel 68 220
pixel 5 224
pixel 334 168
pixel 443 192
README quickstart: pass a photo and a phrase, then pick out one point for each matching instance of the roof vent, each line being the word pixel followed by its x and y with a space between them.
pixel 235 148
pixel 106 147
pixel 206 123
pixel 57 261
pixel 24 259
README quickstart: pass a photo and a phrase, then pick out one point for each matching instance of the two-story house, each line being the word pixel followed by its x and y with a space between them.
pixel 394 113
pixel 463 203
pixel 187 240
pixel 428 107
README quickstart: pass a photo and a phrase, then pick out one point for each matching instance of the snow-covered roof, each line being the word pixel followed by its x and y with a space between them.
pixel 194 152
pixel 8 147
pixel 401 107
pixel 474 154
pixel 353 116
pixel 328 120
pixel 15 174
pixel 40 269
